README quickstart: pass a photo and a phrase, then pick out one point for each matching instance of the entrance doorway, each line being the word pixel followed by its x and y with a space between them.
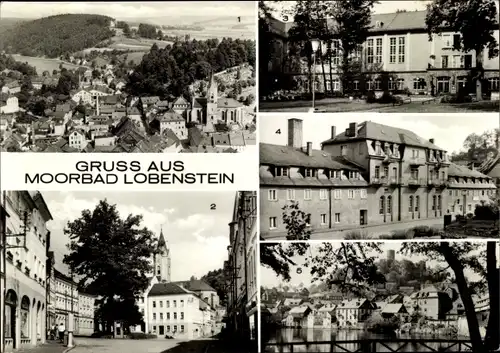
pixel 363 217
pixel 161 330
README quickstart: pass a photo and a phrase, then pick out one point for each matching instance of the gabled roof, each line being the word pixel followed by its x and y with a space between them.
pixel 163 288
pixel 228 103
pixel 195 286
pixel 375 131
pixel 179 101
pixel 462 171
pixel 394 309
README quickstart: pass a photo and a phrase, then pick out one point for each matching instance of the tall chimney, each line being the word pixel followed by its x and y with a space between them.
pixel 97 105
pixel 295 133
pixel 309 148
pixel 353 129
pixel 431 140
pixel 334 132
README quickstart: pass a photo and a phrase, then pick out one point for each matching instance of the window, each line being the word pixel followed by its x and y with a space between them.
pixel 363 193
pixel 168 316
pixel 386 172
pixel 307 194
pixel 378 84
pixel 439 202
pixel 392 84
pixel 272 195
pixel 447 42
pixel 377 172
pixel 400 84
pixel 182 315
pixel 154 304
pixel 323 195
pixel 381 205
pixel 456 40
pixel 392 50
pixel 182 328
pixel 337 217
pixel 343 150
pixel 154 316
pixel 161 316
pixel 494 83
pixel 444 61
pixel 350 194
pixel 168 303
pixel 335 47
pixel 309 172
pixel 175 303
pixel 443 84
pixel 323 218
pixel 401 53
pixel 272 222
pixel 410 204
pixel 369 51
pixel 378 51
pixel 457 61
pixel 337 194
pixel 290 194
pixel 175 316
pixel 395 173
pixel 467 61
pixel 161 304
pixel 418 83
pixel 389 204
pixel 355 85
pixel 281 171
pixel 417 203
pixel 182 303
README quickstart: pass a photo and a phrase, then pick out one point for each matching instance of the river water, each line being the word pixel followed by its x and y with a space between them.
pixel 321 335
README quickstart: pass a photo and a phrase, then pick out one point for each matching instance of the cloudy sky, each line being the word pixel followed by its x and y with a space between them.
pixel 192 231
pixel 448 130
pixel 269 279
pixel 125 9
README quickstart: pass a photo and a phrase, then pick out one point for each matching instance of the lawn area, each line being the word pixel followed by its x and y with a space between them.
pixel 473 228
pixel 345 105
pixel 42 64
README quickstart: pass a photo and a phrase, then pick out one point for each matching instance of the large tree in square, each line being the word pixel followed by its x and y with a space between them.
pixel 475 21
pixel 111 256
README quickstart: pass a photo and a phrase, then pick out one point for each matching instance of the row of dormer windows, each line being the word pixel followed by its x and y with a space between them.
pixel 314 172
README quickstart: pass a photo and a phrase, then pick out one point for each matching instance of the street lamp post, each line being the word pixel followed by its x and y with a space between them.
pixel 315 46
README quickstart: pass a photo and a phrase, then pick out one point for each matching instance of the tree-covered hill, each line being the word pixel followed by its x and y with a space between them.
pixel 56 35
pixel 171 70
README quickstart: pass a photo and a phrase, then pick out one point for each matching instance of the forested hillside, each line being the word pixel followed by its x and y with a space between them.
pixel 171 70
pixel 56 35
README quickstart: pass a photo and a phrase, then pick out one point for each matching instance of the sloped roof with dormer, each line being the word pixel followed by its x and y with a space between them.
pixel 369 130
pixel 462 171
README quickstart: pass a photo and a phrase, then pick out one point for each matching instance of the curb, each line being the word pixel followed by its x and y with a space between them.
pixel 68 349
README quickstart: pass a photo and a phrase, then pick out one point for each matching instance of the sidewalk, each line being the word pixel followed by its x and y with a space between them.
pixel 49 347
pixel 222 346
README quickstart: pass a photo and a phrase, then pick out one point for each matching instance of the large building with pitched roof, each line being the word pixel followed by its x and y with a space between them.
pixel 369 174
pixel 181 309
pixel 397 44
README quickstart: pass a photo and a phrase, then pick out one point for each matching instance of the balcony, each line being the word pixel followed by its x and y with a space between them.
pixel 395 181
pixel 416 162
pixel 379 181
pixel 437 183
pixel 390 159
pixel 416 182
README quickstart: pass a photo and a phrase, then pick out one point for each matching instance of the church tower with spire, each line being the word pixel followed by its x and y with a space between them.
pixel 212 98
pixel 162 260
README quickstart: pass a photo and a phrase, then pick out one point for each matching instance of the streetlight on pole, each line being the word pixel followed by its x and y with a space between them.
pixel 315 46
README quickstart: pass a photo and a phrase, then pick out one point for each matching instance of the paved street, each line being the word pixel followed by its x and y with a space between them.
pixel 49 347
pixel 96 345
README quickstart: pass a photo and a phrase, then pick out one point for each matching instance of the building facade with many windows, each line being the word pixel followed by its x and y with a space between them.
pixel 399 46
pixel 241 267
pixel 66 301
pixel 25 268
pixel 370 174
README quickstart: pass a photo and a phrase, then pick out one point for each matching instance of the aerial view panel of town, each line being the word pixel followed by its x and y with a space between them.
pixel 128 81
pixel 380 297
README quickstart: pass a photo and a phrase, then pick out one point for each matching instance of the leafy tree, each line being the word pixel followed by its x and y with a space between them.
pixel 296 222
pixel 126 30
pixel 111 256
pixel 147 31
pixel 217 281
pixel 475 20
pixel 469 256
pixel 351 22
pixel 56 35
pixel 278 257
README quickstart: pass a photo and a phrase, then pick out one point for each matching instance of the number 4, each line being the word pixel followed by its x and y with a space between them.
pixel 278 132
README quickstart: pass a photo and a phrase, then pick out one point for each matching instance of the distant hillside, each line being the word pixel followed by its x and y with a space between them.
pixel 9 22
pixel 55 35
